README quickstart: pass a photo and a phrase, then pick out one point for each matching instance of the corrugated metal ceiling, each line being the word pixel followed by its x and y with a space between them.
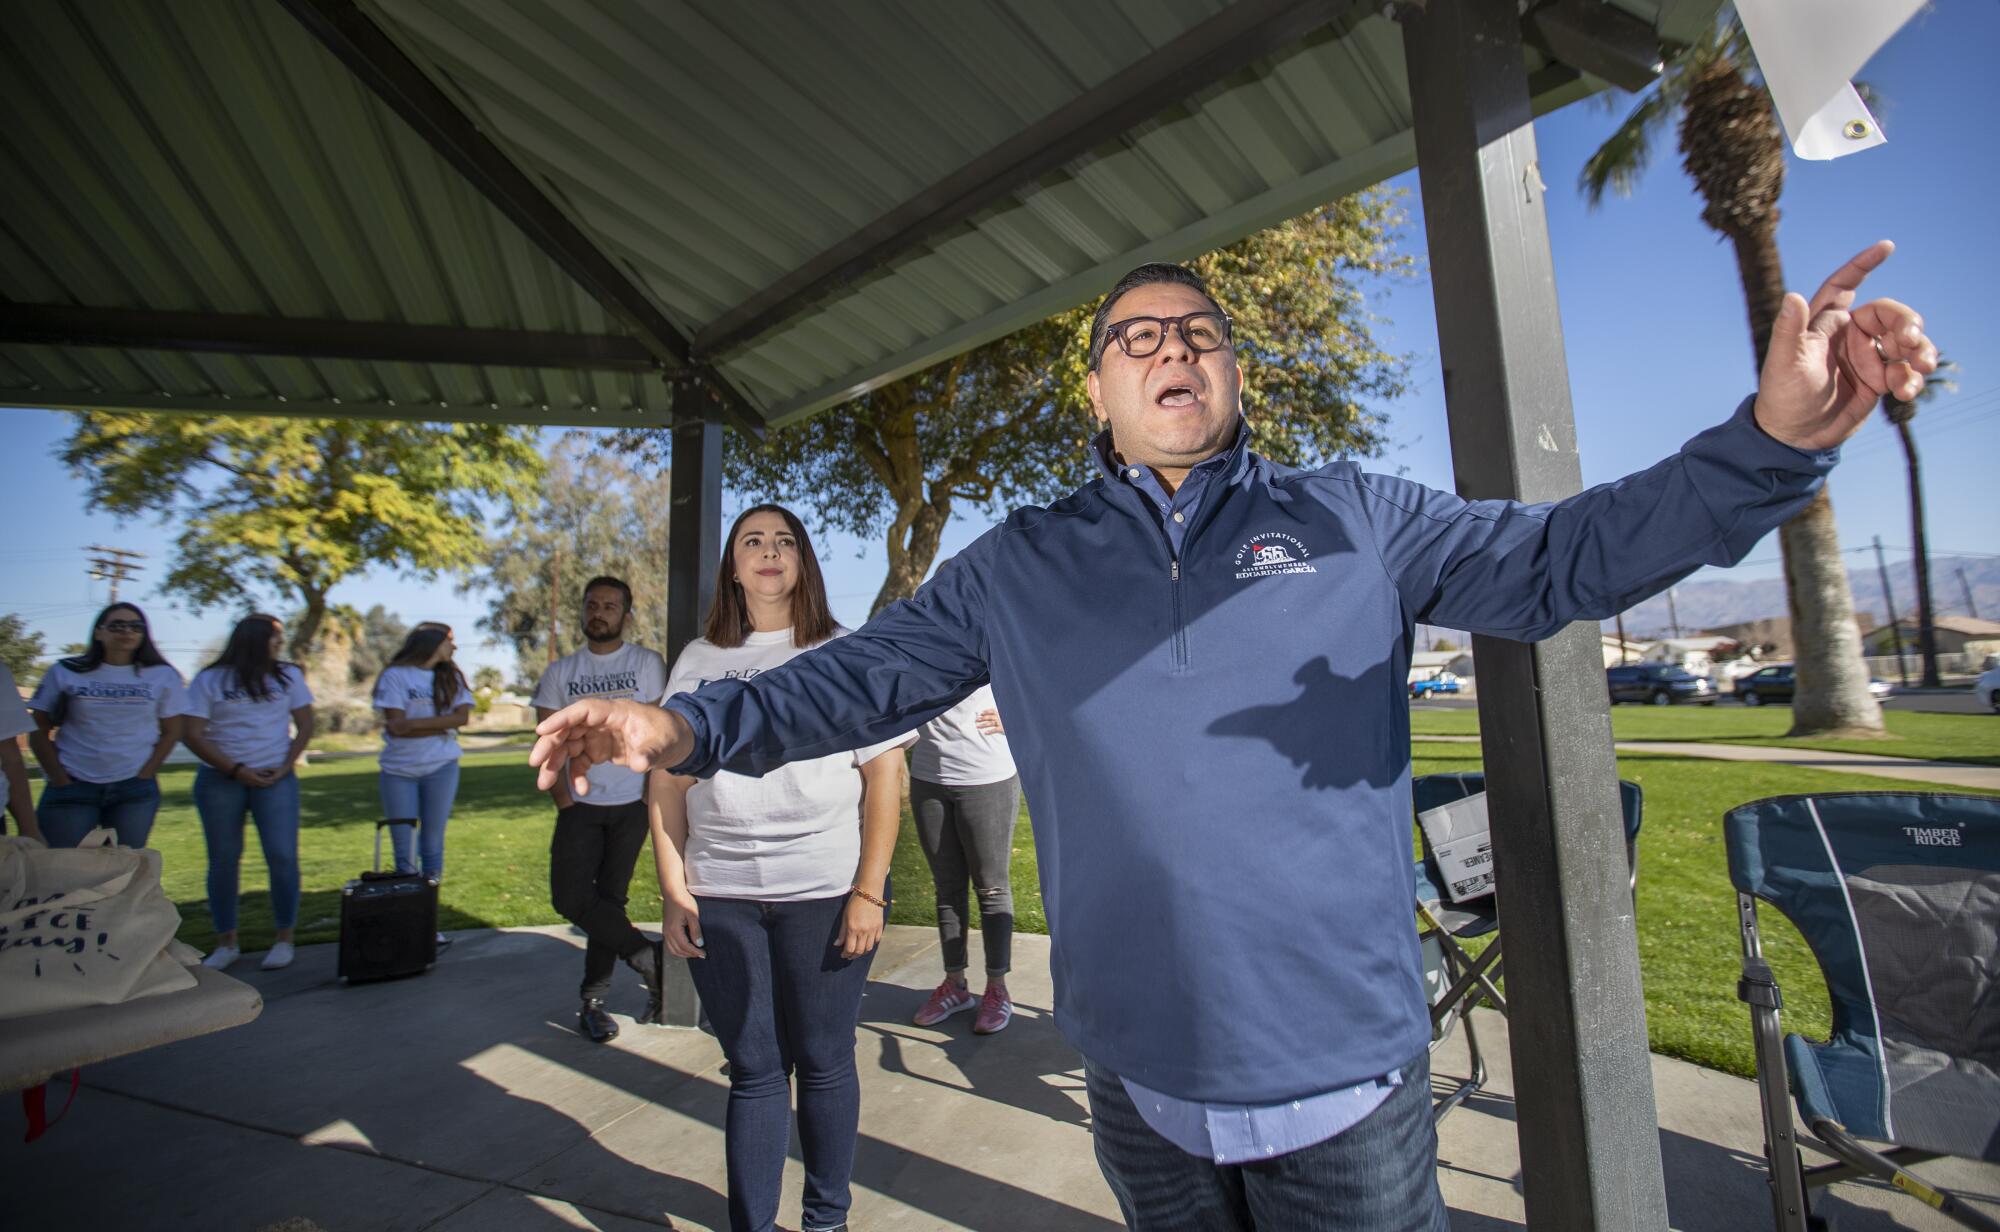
pixel 213 156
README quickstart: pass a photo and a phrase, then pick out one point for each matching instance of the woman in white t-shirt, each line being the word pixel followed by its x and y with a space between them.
pixel 106 719
pixel 424 700
pixel 249 716
pixel 775 888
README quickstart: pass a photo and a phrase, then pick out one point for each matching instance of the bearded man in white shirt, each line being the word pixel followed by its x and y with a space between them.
pixel 597 841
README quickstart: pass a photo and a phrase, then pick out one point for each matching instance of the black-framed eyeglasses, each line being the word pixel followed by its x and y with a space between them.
pixel 1203 332
pixel 123 626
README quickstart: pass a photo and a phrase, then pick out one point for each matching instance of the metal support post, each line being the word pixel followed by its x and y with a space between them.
pixel 694 526
pixel 1589 1135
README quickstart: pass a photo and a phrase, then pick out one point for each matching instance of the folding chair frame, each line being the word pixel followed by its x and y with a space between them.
pixel 1790 1179
pixel 1464 971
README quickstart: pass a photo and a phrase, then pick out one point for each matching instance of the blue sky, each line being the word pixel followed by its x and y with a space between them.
pixel 1652 314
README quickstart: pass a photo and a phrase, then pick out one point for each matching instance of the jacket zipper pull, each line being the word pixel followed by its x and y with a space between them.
pixel 1177 571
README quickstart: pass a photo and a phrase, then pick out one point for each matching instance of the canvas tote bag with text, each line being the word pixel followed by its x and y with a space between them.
pixel 87 925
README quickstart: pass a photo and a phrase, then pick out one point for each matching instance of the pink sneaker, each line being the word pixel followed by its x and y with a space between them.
pixel 947 999
pixel 996 1010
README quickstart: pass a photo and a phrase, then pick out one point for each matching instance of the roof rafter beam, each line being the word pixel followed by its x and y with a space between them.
pixel 231 334
pixel 1608 43
pixel 389 72
pixel 1233 39
pixel 272 406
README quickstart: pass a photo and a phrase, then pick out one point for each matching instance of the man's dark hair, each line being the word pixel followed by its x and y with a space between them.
pixel 610 583
pixel 1145 275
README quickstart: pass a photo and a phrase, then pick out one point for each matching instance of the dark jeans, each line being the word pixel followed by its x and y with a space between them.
pixel 590 868
pixel 967 833
pixel 69 812
pixel 1379 1176
pixel 783 1000
pixel 222 803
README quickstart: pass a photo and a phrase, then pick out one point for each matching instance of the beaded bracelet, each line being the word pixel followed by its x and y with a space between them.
pixel 866 897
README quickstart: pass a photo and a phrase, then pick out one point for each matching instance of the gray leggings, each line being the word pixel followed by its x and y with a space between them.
pixel 968 834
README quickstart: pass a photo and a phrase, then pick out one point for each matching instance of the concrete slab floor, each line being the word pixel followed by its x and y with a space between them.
pixel 464 1100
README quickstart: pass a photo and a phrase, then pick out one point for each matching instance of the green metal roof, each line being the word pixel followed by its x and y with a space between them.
pixel 212 156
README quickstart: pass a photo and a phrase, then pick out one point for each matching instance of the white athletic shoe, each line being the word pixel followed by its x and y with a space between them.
pixel 222 956
pixel 280 956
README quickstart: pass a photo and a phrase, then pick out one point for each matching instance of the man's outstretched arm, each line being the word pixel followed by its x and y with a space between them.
pixel 1524 571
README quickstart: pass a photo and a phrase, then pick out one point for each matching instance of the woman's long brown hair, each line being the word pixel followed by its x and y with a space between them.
pixel 729 619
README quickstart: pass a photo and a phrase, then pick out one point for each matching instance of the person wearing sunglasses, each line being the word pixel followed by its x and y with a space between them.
pixel 105 721
pixel 1201 655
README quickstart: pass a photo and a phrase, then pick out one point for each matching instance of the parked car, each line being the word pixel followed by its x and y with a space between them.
pixel 1988 687
pixel 1662 684
pixel 1776 684
pixel 1442 682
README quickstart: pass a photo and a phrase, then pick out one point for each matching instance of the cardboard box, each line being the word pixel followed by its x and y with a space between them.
pixel 1459 839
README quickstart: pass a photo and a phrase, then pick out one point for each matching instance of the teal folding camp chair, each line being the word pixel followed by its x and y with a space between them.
pixel 1455 979
pixel 1898 894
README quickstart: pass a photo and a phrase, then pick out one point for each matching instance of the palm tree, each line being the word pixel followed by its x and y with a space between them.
pixel 1900 414
pixel 1733 149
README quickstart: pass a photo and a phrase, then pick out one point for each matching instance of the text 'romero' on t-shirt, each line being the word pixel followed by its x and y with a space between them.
pixel 630 673
pixel 110 716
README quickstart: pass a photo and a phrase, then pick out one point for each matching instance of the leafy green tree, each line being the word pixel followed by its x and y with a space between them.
pixel 20 649
pixel 1009 422
pixel 1733 150
pixel 296 505
pixel 598 513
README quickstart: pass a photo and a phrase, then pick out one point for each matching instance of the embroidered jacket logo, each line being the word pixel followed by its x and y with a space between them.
pixel 1273 553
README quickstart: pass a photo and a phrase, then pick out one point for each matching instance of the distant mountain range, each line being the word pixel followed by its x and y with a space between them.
pixel 1709 603
pixel 1714 602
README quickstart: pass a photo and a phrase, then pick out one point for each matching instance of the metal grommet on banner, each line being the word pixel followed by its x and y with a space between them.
pixel 1857 130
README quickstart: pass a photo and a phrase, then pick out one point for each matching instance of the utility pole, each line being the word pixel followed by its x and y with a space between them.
pixel 1673 614
pixel 1889 601
pixel 114 565
pixel 1900 414
pixel 555 602
pixel 1971 608
pixel 1624 656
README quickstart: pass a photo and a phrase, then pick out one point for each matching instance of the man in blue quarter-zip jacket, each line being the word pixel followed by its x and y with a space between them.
pixel 1201 656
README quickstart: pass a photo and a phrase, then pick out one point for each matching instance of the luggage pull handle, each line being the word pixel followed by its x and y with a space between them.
pixel 381 825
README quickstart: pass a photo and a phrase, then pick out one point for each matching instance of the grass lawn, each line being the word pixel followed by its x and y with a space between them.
pixel 1970 738
pixel 496 861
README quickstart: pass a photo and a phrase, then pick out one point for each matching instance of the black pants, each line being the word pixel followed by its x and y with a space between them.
pixel 967 834
pixel 590 867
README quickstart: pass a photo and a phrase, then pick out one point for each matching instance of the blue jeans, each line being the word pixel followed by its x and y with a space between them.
pixel 428 799
pixel 1379 1176
pixel 222 802
pixel 73 810
pixel 782 999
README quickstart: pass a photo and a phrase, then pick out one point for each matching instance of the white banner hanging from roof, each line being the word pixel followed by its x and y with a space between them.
pixel 1808 51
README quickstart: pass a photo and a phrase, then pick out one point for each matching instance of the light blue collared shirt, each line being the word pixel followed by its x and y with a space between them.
pixel 1242 1133
pixel 1172 512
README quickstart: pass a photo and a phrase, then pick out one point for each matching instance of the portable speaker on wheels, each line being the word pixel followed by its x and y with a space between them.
pixel 388 921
